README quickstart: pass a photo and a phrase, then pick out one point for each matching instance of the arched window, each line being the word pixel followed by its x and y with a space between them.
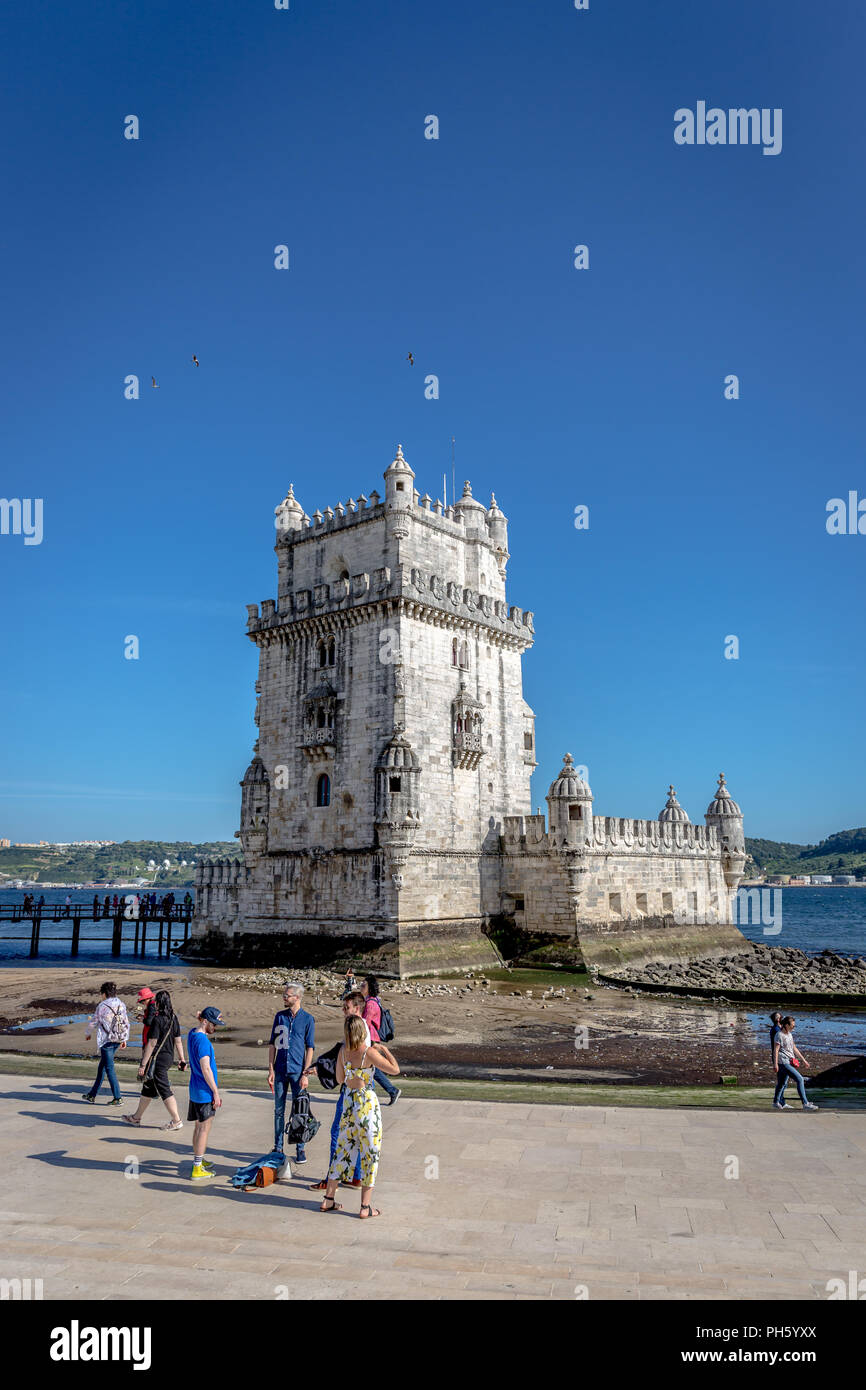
pixel 332 652
pixel 323 790
pixel 323 654
pixel 464 656
pixel 320 717
pixel 455 651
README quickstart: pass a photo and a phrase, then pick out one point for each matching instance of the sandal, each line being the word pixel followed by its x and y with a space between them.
pixel 171 1125
pixel 335 1205
pixel 373 1211
pixel 130 1120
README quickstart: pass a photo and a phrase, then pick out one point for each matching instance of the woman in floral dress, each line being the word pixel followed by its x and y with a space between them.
pixel 361 1122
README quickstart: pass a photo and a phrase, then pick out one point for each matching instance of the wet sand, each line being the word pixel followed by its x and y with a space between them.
pixel 608 1037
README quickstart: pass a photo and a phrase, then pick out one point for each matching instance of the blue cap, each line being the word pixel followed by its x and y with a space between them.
pixel 212 1015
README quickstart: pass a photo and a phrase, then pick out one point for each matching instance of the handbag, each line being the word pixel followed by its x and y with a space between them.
pixel 151 1066
pixel 302 1126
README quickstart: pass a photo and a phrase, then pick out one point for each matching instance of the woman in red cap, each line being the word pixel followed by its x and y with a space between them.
pixel 147 1008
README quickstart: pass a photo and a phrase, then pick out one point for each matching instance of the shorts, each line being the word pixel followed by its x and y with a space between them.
pixel 158 1085
pixel 201 1110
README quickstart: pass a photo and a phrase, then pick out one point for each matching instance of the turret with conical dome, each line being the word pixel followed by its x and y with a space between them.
pixel 399 495
pixel 569 802
pixel 724 813
pixel 255 807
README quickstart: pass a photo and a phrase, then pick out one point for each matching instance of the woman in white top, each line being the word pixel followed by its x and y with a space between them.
pixel 785 1067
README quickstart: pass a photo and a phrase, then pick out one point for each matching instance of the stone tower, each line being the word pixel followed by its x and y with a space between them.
pixel 392 732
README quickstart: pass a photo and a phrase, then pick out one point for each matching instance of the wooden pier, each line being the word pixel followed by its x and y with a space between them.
pixel 163 924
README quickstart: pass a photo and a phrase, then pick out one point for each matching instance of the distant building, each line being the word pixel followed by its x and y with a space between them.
pixel 821 878
pixel 845 878
pixel 5 844
pixel 800 881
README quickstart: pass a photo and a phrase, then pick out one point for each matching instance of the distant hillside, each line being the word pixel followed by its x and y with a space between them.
pixel 127 860
pixel 841 853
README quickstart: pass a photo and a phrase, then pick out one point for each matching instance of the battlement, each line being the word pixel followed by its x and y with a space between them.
pixel 354 511
pixel 431 591
pixel 612 834
pixel 219 871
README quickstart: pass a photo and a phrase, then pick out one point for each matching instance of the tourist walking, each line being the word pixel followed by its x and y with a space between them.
pixel 95 907
pixel 369 987
pixel 785 1055
pixel 204 1096
pixel 111 1023
pixel 361 1121
pixel 163 1042
pixel 290 1054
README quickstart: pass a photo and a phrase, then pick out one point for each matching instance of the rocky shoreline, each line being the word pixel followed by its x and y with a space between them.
pixel 776 969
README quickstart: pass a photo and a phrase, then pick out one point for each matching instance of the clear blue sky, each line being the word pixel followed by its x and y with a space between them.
pixel 603 387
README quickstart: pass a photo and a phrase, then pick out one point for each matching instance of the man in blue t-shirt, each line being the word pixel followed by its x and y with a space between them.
pixel 204 1096
pixel 290 1054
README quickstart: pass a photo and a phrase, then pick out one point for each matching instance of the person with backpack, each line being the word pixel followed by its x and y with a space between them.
pixel 378 1020
pixel 290 1055
pixel 163 1042
pixel 111 1022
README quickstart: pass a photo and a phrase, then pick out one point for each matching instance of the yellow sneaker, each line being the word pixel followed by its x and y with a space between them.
pixel 200 1173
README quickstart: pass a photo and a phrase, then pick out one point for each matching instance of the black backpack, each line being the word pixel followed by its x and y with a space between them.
pixel 386 1023
pixel 302 1126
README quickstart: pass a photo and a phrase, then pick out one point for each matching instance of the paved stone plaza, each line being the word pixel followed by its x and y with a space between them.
pixel 531 1201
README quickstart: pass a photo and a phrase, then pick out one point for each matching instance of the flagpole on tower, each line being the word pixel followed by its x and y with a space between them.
pixel 453 484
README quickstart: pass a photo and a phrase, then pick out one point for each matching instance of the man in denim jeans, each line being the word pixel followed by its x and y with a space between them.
pixel 111 1022
pixel 290 1053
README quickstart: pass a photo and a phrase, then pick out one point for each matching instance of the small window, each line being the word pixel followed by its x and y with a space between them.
pixel 323 654
pixel 527 741
pixel 332 652
pixel 323 790
pixel 454 652
pixel 401 487
pixel 464 656
pixel 320 718
pixel 394 784
pixel 575 813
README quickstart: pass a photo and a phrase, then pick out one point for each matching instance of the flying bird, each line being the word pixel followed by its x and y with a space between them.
pixel 195 359
pixel 153 383
pixel 410 359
